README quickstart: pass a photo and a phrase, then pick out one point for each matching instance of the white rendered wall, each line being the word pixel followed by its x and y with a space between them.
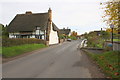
pixel 53 38
pixel 41 32
pixel 11 35
pixel 43 37
pixel 69 34
pixel 33 36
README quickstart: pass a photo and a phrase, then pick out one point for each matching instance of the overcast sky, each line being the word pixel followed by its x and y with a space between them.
pixel 79 15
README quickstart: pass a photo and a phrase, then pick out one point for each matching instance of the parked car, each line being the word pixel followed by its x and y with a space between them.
pixel 69 39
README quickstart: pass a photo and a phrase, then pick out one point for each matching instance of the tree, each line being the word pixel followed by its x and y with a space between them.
pixel 86 35
pixel 1 26
pixel 4 31
pixel 110 30
pixel 105 35
pixel 112 13
pixel 74 33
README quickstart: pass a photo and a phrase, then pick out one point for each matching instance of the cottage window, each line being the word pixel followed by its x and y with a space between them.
pixel 38 36
pixel 17 36
pixel 38 28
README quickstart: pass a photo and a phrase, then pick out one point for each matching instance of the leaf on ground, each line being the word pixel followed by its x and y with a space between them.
pixel 109 65
pixel 111 68
pixel 116 73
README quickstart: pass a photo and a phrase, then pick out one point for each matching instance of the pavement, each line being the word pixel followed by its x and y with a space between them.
pixel 59 61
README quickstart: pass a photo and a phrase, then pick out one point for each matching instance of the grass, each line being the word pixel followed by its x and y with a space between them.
pixel 108 62
pixel 116 39
pixel 0 50
pixel 17 50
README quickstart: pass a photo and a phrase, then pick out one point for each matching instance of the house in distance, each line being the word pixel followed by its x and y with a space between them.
pixel 34 25
pixel 64 31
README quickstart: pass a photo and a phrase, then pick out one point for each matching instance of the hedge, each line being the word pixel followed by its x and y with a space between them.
pixel 7 42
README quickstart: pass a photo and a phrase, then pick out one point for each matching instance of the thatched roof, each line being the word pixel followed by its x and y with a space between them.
pixel 64 31
pixel 29 22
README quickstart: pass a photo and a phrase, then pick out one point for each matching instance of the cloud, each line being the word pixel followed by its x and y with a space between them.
pixel 83 15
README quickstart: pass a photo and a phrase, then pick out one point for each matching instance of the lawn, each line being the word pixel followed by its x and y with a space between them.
pixel 17 50
pixel 0 50
pixel 116 39
pixel 108 62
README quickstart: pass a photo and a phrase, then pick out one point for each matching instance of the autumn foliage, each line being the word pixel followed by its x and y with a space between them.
pixel 74 33
pixel 111 10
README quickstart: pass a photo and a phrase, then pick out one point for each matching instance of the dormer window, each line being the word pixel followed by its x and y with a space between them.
pixel 38 28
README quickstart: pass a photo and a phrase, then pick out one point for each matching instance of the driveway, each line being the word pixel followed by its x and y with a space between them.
pixel 59 61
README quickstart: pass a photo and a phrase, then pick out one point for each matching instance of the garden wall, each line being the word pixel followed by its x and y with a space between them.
pixel 116 45
pixel 61 40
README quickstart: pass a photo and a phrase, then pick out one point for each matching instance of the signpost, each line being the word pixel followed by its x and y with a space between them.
pixel 112 26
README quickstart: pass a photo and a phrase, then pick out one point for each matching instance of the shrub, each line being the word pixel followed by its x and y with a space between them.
pixel 73 37
pixel 6 42
pixel 95 41
pixel 62 36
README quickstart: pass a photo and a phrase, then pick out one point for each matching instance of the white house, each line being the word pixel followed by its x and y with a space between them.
pixel 34 25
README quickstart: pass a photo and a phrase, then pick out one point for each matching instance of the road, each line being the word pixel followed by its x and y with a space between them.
pixel 58 61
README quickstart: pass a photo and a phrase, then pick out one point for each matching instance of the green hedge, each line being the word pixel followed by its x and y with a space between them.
pixel 7 42
pixel 72 37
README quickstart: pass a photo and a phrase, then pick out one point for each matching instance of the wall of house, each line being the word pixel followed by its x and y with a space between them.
pixel 12 35
pixel 40 32
pixel 69 34
pixel 32 36
pixel 53 37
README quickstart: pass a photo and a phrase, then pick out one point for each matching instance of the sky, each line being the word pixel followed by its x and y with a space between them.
pixel 78 15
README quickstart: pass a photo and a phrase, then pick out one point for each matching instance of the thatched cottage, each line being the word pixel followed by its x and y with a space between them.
pixel 34 25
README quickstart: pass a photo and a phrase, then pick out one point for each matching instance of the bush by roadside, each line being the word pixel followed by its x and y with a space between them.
pixel 108 62
pixel 95 41
pixel 7 42
pixel 17 50
pixel 72 37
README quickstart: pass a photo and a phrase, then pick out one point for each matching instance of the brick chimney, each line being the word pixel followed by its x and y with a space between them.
pixel 50 25
pixel 28 12
pixel 50 14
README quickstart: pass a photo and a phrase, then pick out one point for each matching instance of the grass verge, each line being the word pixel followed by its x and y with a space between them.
pixel 109 62
pixel 0 50
pixel 17 50
pixel 116 39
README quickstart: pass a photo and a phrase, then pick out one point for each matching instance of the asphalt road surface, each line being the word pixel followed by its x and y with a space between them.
pixel 58 61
